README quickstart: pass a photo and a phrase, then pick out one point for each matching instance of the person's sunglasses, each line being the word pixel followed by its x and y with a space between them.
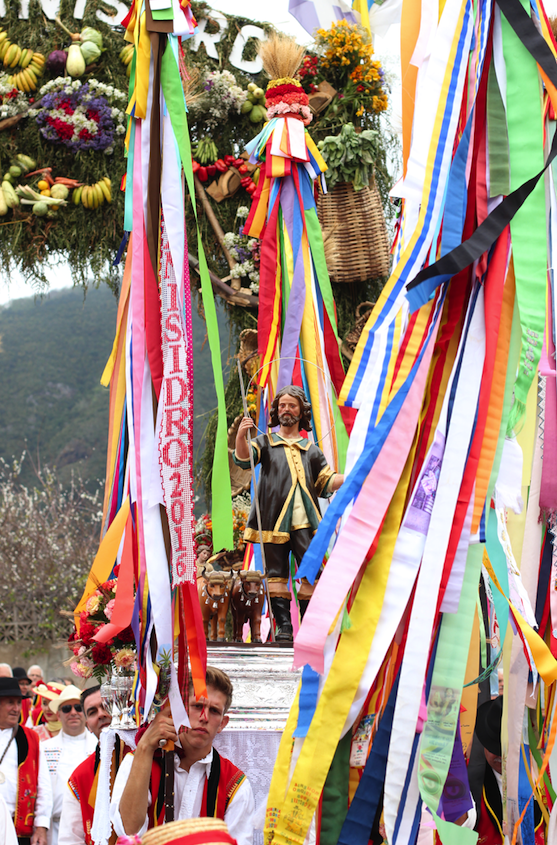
pixel 67 708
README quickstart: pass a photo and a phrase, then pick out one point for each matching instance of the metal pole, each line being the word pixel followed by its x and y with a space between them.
pixel 256 501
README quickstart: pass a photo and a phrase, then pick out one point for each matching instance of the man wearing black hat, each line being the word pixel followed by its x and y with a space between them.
pixel 24 682
pixel 490 793
pixel 24 778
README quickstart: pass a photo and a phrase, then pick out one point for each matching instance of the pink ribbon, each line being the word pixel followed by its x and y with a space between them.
pixel 362 525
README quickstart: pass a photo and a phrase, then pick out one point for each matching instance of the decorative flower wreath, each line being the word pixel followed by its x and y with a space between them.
pixel 81 117
pixel 286 96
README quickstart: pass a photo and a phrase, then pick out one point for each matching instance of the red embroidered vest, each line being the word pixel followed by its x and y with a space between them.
pixel 27 743
pixel 219 790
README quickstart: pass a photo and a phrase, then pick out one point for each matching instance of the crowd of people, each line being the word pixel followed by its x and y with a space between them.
pixel 50 756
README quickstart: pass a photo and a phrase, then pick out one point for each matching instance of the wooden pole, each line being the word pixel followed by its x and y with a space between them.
pixel 256 502
pixel 212 218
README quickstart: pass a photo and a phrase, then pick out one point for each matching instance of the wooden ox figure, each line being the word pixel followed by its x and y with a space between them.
pixel 248 597
pixel 213 589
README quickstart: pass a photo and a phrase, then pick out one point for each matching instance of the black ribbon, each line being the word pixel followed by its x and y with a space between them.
pixel 495 223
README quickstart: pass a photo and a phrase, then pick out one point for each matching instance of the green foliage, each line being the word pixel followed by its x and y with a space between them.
pixel 350 156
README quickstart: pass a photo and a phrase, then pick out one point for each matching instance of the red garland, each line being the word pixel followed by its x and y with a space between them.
pixel 278 90
pixel 295 97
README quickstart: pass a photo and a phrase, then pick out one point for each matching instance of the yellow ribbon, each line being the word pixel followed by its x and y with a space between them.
pixel 294 812
pixel 105 557
pixel 544 660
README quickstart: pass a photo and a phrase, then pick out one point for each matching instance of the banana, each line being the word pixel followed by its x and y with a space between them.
pixel 22 56
pixel 3 204
pixel 31 79
pixel 100 193
pixel 37 69
pixel 25 58
pixel 39 58
pixel 9 54
pixel 22 82
pixel 85 196
pixel 107 181
pixel 3 36
pixel 16 58
pixel 4 47
pixel 105 189
pixel 76 196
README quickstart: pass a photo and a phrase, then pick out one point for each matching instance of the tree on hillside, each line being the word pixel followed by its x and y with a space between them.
pixel 48 538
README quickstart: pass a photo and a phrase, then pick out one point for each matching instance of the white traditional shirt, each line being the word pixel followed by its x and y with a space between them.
pixel 63 754
pixel 71 821
pixel 8 789
pixel 7 829
pixel 188 795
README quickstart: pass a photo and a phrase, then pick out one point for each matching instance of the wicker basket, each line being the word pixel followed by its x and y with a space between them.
pixel 360 244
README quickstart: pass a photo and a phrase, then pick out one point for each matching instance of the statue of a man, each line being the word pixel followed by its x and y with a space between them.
pixel 294 472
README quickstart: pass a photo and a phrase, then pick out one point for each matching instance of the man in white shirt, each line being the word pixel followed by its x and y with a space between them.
pixel 205 784
pixel 76 819
pixel 24 782
pixel 66 750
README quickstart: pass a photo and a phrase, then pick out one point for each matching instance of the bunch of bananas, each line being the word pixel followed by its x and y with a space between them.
pixel 31 64
pixel 91 196
pixel 126 56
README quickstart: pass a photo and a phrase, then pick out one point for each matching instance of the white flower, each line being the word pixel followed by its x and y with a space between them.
pixel 254 276
pixel 242 211
pixel 120 130
pixel 254 287
pixel 238 271
pixel 229 239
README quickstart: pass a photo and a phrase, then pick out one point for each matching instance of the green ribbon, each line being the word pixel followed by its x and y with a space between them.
pixel 443 709
pixel 528 226
pixel 221 492
pixel 334 805
pixel 498 138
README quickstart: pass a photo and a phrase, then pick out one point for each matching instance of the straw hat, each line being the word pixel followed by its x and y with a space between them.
pixel 186 831
pixel 69 693
pixel 51 690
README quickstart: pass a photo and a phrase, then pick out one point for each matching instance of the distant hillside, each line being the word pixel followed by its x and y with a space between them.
pixel 52 354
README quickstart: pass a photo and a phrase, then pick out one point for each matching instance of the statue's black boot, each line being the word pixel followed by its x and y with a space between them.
pixel 281 612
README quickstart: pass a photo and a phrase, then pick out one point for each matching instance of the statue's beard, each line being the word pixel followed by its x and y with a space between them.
pixel 289 420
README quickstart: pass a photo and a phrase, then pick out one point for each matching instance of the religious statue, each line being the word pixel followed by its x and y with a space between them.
pixel 294 473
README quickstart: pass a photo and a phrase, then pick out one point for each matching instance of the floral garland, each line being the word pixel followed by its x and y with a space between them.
pixel 12 101
pixel 286 96
pixel 346 62
pixel 81 117
pixel 93 658
pixel 222 95
pixel 246 251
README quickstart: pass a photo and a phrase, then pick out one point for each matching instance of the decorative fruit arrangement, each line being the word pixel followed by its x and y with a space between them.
pixel 85 48
pixel 254 105
pixel 49 193
pixel 31 64
pixel 208 165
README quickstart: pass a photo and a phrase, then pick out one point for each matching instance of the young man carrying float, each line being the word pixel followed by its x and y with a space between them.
pixel 205 784
pixel 294 473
